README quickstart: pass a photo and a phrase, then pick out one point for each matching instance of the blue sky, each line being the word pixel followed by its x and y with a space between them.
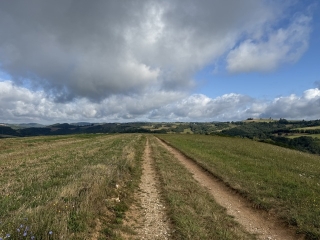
pixel 206 60
pixel 284 80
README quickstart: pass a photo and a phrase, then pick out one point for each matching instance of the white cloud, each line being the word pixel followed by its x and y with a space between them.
pixel 269 52
pixel 306 106
pixel 18 104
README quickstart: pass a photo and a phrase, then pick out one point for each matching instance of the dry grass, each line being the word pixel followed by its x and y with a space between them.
pixel 66 185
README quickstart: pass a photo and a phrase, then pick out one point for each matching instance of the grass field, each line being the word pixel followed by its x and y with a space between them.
pixel 80 186
pixel 193 212
pixel 308 128
pixel 67 187
pixel 295 135
pixel 272 178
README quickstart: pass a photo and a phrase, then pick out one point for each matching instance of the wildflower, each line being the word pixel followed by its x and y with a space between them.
pixel 33 237
pixel 8 235
pixel 25 234
pixel 50 232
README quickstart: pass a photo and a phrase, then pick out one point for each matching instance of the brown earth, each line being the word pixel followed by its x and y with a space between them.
pixel 264 225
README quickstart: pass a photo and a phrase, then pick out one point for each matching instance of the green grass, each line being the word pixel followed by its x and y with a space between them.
pixel 296 135
pixel 66 184
pixel 308 128
pixel 271 177
pixel 193 212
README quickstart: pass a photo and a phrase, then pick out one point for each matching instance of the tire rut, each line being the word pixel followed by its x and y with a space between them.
pixel 148 217
pixel 256 222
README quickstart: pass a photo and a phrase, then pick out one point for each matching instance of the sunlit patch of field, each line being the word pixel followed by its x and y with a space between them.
pixel 272 178
pixel 296 135
pixel 188 131
pixel 69 187
pixel 260 120
pixel 156 127
pixel 308 128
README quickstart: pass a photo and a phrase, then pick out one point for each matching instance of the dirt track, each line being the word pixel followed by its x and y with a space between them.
pixel 254 221
pixel 148 217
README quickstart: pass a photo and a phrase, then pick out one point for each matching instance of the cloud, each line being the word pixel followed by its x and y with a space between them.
pixel 283 45
pixel 75 48
pixel 199 107
pixel 19 104
pixel 306 106
pixel 75 60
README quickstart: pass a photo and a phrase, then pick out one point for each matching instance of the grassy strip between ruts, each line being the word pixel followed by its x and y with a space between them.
pixel 193 212
pixel 75 187
pixel 272 177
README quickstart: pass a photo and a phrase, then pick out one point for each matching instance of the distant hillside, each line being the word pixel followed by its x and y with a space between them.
pixel 62 125
pixel 23 125
pixel 82 124
pixel 8 131
pixel 300 135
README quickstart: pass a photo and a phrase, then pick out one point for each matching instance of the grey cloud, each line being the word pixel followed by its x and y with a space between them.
pixel 74 49
pixel 135 60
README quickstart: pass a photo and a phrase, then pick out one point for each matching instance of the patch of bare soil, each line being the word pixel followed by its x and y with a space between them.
pixel 264 225
pixel 148 217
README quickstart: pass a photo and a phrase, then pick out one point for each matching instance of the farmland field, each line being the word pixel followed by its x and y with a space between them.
pixel 276 179
pixel 295 135
pixel 193 212
pixel 83 186
pixel 65 186
pixel 308 128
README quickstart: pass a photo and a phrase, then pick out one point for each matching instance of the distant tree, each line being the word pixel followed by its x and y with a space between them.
pixel 283 121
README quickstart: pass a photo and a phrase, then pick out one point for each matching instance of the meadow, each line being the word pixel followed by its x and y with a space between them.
pixel 296 135
pixel 81 186
pixel 308 128
pixel 193 212
pixel 279 180
pixel 67 187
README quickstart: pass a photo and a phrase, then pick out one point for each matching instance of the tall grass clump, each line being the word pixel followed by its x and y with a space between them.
pixel 66 187
pixel 272 178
